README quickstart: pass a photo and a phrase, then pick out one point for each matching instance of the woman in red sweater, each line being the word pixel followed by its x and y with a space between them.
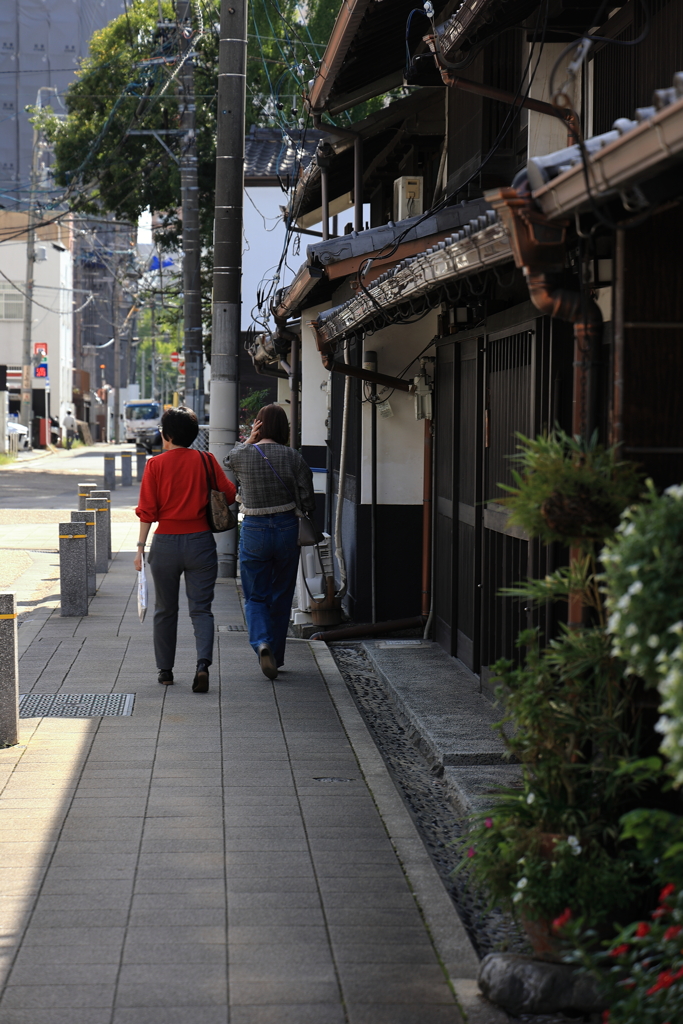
pixel 174 494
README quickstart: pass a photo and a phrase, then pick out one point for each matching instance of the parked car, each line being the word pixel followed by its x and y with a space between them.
pixel 21 433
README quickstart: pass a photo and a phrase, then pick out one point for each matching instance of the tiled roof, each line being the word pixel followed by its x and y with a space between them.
pixel 271 157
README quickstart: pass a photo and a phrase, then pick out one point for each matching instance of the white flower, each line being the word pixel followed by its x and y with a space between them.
pixel 629 529
pixel 522 883
pixel 517 897
pixel 613 622
pixel 530 798
pixel 635 650
pixel 676 628
pixel 633 569
pixel 623 602
pixel 675 491
pixel 631 630
pixel 573 840
pixel 574 845
pixel 662 726
pixel 522 860
pixel 653 641
pixel 635 587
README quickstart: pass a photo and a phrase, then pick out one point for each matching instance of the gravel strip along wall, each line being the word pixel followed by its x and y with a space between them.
pixel 425 796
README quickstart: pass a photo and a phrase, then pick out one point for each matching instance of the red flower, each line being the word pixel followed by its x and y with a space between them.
pixel 665 980
pixel 642 930
pixel 605 1016
pixel 489 822
pixel 619 950
pixel 667 891
pixel 672 932
pixel 470 852
pixel 564 918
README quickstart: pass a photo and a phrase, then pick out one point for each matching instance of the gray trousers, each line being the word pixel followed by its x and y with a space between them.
pixel 171 555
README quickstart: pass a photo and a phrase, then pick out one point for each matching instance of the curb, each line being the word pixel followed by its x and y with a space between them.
pixel 450 939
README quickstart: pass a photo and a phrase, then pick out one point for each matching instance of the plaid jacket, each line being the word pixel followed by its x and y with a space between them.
pixel 260 491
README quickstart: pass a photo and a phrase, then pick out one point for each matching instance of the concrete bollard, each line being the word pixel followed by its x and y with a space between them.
pixel 110 472
pixel 107 495
pixel 87 518
pixel 84 490
pixel 73 569
pixel 9 672
pixel 142 462
pixel 126 469
pixel 99 507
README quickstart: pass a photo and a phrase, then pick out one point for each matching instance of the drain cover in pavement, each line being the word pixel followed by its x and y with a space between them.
pixel 74 705
pixel 232 628
pixel 331 778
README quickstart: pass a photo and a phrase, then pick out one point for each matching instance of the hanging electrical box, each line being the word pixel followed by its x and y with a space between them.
pixel 408 192
pixel 423 394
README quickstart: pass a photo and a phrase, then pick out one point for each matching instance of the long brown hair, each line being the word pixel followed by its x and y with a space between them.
pixel 274 423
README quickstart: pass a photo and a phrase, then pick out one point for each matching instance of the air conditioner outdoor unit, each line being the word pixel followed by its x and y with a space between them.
pixel 315 562
pixel 408 192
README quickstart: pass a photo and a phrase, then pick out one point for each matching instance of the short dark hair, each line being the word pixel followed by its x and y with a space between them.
pixel 274 423
pixel 180 426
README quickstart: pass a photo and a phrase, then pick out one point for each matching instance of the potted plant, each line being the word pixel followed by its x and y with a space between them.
pixel 570 715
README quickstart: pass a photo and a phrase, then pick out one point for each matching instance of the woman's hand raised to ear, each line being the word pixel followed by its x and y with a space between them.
pixel 255 433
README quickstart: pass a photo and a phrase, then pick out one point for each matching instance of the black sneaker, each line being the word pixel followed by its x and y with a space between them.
pixel 165 677
pixel 201 679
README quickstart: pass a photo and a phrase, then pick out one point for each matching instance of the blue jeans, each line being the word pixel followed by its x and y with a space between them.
pixel 269 558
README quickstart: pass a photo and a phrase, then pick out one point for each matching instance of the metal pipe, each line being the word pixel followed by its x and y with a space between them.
pixel 294 395
pixel 325 201
pixel 586 317
pixel 617 431
pixel 427 521
pixel 370 378
pixel 370 364
pixel 338 549
pixel 430 619
pixel 390 626
pixel 346 133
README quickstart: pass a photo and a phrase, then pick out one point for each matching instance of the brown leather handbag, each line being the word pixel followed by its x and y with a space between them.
pixel 217 509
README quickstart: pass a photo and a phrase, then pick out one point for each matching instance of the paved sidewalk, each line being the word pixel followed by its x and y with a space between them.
pixel 192 863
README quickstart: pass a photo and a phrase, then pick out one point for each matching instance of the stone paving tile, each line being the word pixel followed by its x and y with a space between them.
pixel 199 873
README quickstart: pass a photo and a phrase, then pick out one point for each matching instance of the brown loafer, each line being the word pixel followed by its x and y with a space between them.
pixel 267 662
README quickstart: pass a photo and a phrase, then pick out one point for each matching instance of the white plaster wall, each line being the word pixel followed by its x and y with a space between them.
pixel 548 133
pixel 52 318
pixel 314 380
pixel 13 264
pixel 400 439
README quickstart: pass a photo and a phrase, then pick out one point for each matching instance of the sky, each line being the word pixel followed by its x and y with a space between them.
pixel 264 236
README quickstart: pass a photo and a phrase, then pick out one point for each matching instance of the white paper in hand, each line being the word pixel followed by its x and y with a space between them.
pixel 142 594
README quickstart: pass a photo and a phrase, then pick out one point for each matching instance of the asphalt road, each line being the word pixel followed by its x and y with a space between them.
pixel 51 481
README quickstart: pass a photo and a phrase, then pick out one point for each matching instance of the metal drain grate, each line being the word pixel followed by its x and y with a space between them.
pixel 331 778
pixel 74 705
pixel 232 628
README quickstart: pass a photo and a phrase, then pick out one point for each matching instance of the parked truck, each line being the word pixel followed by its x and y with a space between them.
pixel 142 422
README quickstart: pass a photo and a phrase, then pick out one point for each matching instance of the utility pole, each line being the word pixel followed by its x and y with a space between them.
pixel 227 268
pixel 189 192
pixel 117 355
pixel 27 356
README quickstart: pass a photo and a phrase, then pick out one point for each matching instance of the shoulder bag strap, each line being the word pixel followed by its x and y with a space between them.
pixel 276 472
pixel 206 472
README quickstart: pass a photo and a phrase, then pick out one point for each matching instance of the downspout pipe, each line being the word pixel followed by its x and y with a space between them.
pixel 584 313
pixel 538 246
pixel 346 133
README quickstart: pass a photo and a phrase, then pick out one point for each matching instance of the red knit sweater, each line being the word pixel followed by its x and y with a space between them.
pixel 174 491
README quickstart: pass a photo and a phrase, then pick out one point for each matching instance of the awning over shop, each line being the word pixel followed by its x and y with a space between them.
pixel 461 255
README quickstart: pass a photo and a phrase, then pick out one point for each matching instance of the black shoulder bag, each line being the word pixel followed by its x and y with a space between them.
pixel 308 533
